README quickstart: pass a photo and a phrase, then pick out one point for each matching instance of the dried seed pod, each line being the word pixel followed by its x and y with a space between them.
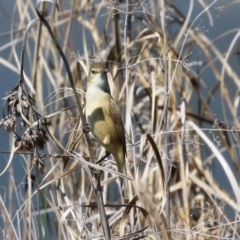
pixel 22 124
pixel 38 162
pixel 45 121
pixel 9 123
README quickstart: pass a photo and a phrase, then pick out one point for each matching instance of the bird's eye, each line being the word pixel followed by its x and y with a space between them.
pixel 93 72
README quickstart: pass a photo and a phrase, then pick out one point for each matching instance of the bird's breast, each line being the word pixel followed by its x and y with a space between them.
pixel 95 99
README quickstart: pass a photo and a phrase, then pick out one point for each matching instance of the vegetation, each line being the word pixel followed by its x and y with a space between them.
pixel 168 79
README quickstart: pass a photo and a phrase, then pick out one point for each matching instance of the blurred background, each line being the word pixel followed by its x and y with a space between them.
pixel 203 35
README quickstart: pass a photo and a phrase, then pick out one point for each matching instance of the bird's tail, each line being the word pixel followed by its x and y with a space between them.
pixel 120 161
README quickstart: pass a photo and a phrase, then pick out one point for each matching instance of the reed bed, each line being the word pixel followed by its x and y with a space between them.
pixel 159 61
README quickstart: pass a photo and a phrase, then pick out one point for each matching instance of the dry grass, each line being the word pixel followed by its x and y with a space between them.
pixel 174 139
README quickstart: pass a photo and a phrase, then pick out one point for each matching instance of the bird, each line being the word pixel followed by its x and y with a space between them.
pixel 103 116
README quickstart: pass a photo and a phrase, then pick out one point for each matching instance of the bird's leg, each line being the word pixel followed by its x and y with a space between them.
pixel 106 155
pixel 86 129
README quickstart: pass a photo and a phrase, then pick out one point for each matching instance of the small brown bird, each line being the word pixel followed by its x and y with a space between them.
pixel 103 116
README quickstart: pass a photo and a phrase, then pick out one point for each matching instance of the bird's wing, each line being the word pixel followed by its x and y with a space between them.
pixel 117 120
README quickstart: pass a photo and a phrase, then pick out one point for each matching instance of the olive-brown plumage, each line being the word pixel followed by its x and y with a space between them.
pixel 103 116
